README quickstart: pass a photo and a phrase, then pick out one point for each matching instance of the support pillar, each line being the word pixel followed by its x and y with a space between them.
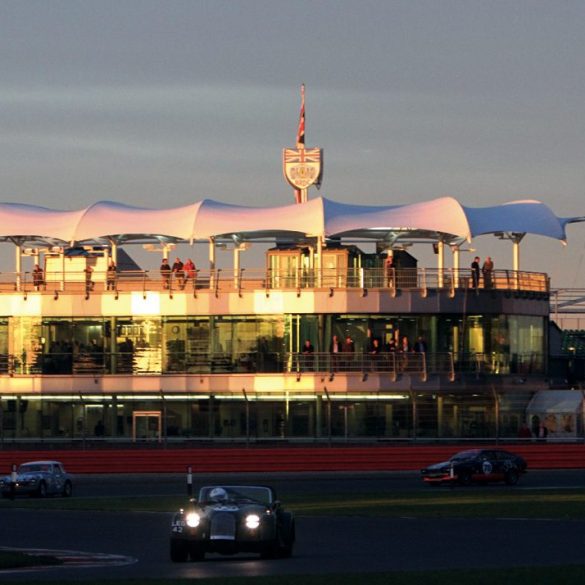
pixel 441 262
pixel 319 261
pixel 18 267
pixel 456 253
pixel 236 266
pixel 211 263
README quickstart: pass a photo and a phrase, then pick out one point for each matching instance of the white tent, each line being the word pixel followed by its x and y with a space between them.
pixel 560 410
pixel 443 218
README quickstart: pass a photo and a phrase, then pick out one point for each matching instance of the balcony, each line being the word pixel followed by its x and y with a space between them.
pixel 156 362
pixel 243 280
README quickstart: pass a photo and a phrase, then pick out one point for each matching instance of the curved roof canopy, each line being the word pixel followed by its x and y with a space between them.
pixel 443 218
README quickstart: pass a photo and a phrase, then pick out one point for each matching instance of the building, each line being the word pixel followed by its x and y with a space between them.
pixel 94 347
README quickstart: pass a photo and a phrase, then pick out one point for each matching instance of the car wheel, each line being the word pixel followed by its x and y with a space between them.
pixel 464 477
pixel 179 551
pixel 67 489
pixel 512 477
pixel 42 491
pixel 282 545
pixel 286 538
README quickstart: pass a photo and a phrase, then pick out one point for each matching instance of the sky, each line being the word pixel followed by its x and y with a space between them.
pixel 162 103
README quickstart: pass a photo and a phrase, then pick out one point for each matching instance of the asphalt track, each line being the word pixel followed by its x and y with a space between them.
pixel 324 545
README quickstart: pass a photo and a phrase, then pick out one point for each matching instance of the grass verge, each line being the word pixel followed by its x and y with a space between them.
pixel 15 559
pixel 438 503
pixel 567 575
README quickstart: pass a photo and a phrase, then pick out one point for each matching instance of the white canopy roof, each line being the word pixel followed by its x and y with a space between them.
pixel 556 401
pixel 439 218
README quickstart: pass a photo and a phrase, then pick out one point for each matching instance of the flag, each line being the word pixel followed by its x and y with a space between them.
pixel 301 129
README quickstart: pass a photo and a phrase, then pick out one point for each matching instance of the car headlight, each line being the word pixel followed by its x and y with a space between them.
pixel 252 521
pixel 192 519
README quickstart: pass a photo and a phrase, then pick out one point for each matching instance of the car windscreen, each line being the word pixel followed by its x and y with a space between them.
pixel 470 454
pixel 33 468
pixel 235 494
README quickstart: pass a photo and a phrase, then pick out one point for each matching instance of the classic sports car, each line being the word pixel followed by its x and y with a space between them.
pixel 38 478
pixel 477 465
pixel 229 519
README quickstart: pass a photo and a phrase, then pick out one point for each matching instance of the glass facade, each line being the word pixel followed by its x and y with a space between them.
pixel 398 416
pixel 501 344
pixel 96 347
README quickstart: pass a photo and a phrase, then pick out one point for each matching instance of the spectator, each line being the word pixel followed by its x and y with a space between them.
pixel 179 272
pixel 307 360
pixel 487 271
pixel 111 275
pixel 88 278
pixel 335 350
pixel 165 272
pixel 190 273
pixel 38 277
pixel 420 345
pixel 475 273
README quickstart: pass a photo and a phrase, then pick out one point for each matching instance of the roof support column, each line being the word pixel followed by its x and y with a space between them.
pixel 516 239
pixel 236 266
pixel 211 262
pixel 62 255
pixel 319 261
pixel 440 262
pixel 18 266
pixel 455 250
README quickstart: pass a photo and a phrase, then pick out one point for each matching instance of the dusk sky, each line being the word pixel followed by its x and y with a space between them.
pixel 158 104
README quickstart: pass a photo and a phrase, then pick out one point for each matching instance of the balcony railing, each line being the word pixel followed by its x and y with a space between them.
pixel 220 280
pixel 153 361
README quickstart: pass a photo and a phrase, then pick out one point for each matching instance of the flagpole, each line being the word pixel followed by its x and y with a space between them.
pixel 301 195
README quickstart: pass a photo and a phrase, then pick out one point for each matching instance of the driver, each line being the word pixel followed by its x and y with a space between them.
pixel 218 494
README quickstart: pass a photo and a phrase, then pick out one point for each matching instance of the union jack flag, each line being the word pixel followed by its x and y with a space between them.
pixel 301 129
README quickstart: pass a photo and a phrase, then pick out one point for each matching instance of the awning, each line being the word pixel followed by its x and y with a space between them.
pixel 556 402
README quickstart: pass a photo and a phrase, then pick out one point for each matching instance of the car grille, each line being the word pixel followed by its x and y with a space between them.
pixel 223 527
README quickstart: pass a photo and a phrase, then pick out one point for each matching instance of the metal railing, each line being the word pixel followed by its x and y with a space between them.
pixel 228 280
pixel 155 361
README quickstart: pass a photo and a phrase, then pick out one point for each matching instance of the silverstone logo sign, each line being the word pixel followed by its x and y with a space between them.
pixel 302 167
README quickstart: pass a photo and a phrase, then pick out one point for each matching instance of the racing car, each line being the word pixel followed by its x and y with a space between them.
pixel 38 478
pixel 476 465
pixel 229 519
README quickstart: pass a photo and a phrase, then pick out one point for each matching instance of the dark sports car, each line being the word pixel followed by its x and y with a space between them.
pixel 476 465
pixel 38 478
pixel 229 519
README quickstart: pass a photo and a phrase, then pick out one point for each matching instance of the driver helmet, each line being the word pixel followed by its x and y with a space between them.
pixel 218 494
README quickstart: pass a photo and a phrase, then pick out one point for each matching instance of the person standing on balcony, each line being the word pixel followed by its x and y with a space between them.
pixel 189 269
pixel 307 359
pixel 374 352
pixel 420 345
pixel 165 272
pixel 88 281
pixel 487 271
pixel 348 348
pixel 475 273
pixel 335 350
pixel 111 276
pixel 179 272
pixel 38 278
pixel 404 349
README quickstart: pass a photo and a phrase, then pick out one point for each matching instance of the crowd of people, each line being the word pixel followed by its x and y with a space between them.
pixel 181 272
pixel 342 354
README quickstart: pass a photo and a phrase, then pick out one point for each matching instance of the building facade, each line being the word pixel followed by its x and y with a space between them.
pixel 323 343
